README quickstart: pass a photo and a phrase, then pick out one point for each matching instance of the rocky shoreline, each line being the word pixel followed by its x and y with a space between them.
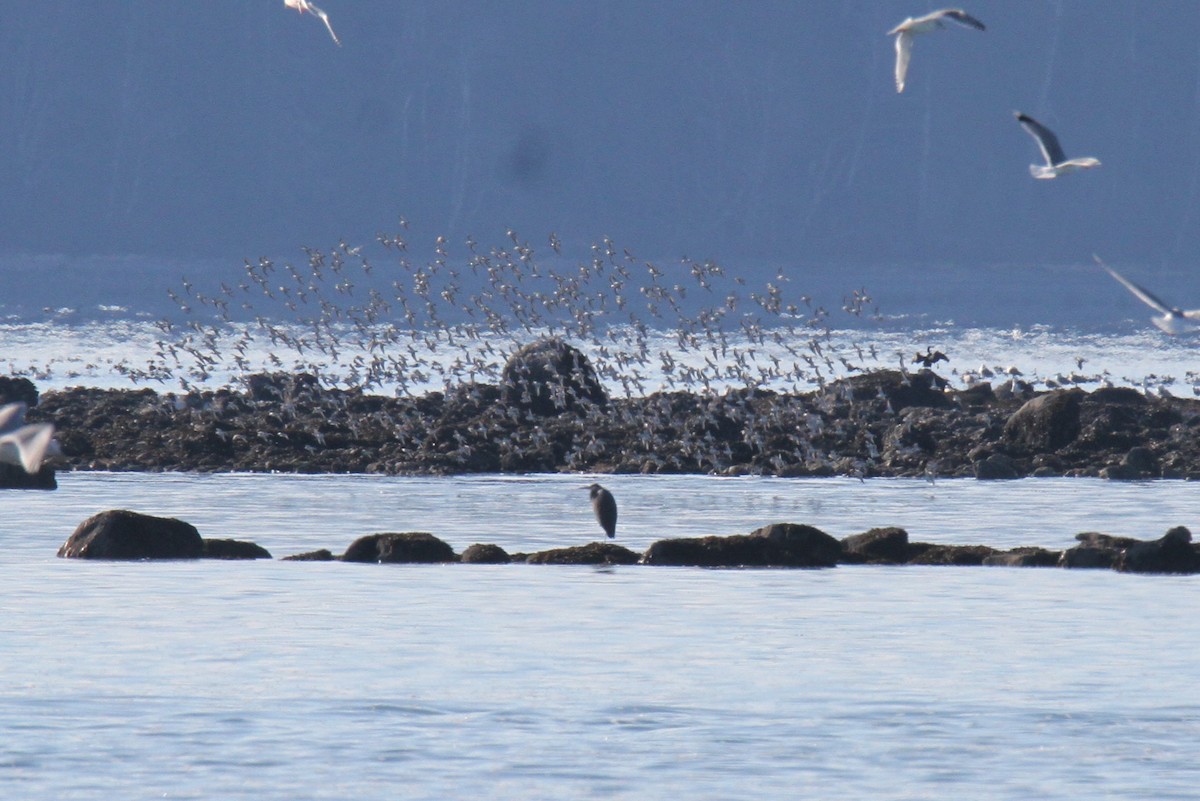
pixel 885 423
pixel 124 535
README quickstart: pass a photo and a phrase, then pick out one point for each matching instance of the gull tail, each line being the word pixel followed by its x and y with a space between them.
pixel 1042 171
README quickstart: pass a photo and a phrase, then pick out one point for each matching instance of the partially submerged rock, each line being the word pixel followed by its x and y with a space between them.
pixel 484 554
pixel 122 534
pixel 887 545
pixel 234 549
pixel 778 545
pixel 1023 557
pixel 320 555
pixel 594 553
pixel 416 546
pixel 1171 553
pixel 14 477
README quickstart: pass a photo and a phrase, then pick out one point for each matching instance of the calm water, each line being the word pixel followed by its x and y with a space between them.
pixel 275 680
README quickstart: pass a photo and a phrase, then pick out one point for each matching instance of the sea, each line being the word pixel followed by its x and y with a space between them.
pixel 307 680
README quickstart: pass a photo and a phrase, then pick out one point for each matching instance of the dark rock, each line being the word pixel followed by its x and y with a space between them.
pixel 1172 553
pixel 980 394
pixel 881 545
pixel 550 376
pixel 1023 557
pixel 1139 463
pixel 281 386
pixel 1046 423
pixel 1088 557
pixel 416 546
pixel 773 546
pixel 1094 539
pixel 484 554
pixel 594 553
pixel 17 390
pixel 121 534
pixel 997 467
pixel 234 549
pixel 14 477
pixel 322 555
pixel 1118 396
pixel 804 542
pixel 902 390
pixel 953 555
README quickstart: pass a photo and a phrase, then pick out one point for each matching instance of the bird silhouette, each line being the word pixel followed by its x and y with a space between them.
pixel 605 507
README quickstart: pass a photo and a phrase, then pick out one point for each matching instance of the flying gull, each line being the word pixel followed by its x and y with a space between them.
pixel 21 444
pixel 905 31
pixel 1057 162
pixel 304 5
pixel 1172 319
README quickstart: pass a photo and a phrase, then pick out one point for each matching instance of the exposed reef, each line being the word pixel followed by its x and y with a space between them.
pixel 884 423
pixel 125 535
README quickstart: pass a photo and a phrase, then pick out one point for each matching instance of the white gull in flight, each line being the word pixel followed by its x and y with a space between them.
pixel 1170 319
pixel 21 444
pixel 1057 162
pixel 304 5
pixel 905 31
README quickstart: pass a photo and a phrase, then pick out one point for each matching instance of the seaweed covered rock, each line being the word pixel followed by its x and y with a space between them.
pixel 14 477
pixel 17 390
pixel 1027 556
pixel 594 553
pixel 877 546
pixel 549 376
pixel 1047 422
pixel 779 545
pixel 122 534
pixel 234 549
pixel 1171 553
pixel 484 554
pixel 416 546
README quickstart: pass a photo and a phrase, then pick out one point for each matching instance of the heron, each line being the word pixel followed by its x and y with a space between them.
pixel 905 31
pixel 605 507
pixel 304 5
pixel 1057 162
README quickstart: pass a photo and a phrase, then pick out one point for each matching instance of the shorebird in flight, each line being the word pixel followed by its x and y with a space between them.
pixel 1170 319
pixel 304 5
pixel 21 444
pixel 1057 162
pixel 905 31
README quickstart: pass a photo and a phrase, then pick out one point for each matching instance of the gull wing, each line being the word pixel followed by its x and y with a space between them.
pixel 962 18
pixel 12 417
pixel 903 55
pixel 1051 150
pixel 1139 293
pixel 27 446
pixel 325 18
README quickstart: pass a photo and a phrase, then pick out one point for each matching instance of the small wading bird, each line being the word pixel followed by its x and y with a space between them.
pixel 24 445
pixel 905 31
pixel 304 5
pixel 1171 319
pixel 1057 162
pixel 605 507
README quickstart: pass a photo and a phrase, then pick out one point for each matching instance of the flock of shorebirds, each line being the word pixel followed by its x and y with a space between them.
pixel 686 326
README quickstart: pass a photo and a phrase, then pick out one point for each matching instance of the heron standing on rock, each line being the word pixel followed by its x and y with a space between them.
pixel 605 507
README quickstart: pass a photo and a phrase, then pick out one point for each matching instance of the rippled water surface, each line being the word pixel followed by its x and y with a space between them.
pixel 283 680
